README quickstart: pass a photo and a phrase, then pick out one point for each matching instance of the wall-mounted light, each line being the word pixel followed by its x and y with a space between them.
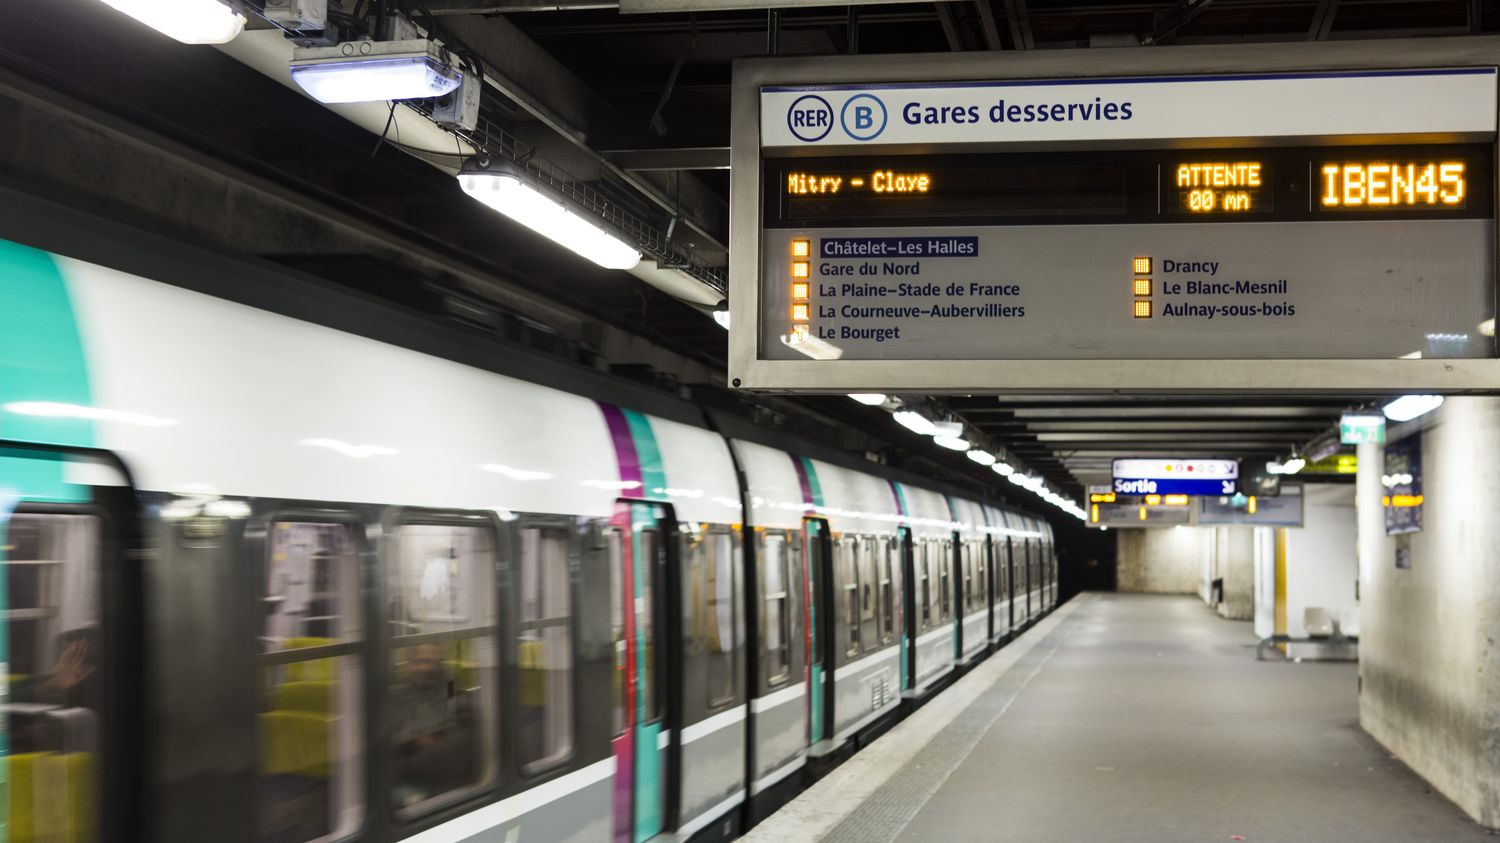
pixel 502 187
pixel 869 399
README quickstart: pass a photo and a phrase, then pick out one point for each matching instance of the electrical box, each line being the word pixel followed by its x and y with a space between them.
pixel 301 15
pixel 459 108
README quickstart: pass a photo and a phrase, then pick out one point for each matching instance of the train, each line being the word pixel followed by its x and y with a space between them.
pixel 288 563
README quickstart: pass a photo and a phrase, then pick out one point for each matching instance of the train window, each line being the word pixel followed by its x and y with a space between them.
pixel 934 573
pixel 924 573
pixel 544 651
pixel 776 553
pixel 615 547
pixel 311 751
pixel 945 580
pixel 720 569
pixel 888 550
pixel 55 669
pixel 967 561
pixel 442 693
pixel 869 602
pixel 982 591
pixel 646 569
pixel 848 568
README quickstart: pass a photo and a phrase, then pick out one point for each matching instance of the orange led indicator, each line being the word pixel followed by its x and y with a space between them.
pixel 1251 506
pixel 1153 500
pixel 1143 513
pixel 1142 266
pixel 801 248
pixel 1175 500
pixel 1143 286
pixel 1105 497
pixel 799 290
pixel 1142 309
pixel 1095 513
pixel 799 313
pixel 799 269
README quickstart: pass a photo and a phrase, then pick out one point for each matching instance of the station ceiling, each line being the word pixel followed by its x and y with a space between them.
pixel 638 104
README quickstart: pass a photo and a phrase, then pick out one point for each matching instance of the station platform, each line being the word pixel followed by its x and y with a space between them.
pixel 1129 718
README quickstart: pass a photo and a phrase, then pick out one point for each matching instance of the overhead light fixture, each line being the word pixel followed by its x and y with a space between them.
pixel 500 185
pixel 1017 478
pixel 1408 407
pixel 948 428
pixel 982 457
pixel 915 422
pixel 1293 465
pixel 952 443
pixel 374 71
pixel 1004 469
pixel 869 399
pixel 188 21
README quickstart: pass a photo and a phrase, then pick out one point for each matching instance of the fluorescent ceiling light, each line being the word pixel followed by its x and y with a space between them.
pixel 1003 469
pixel 869 399
pixel 952 443
pixel 61 410
pixel 948 428
pixel 188 21
pixel 358 452
pixel 372 71
pixel 1017 478
pixel 1293 465
pixel 1408 407
pixel 722 317
pixel 516 473
pixel 982 457
pixel 915 422
pixel 501 187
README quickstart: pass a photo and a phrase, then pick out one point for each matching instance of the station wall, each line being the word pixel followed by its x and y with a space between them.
pixel 1430 689
pixel 1160 561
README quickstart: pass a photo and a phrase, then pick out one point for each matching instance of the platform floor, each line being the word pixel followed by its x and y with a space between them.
pixel 1130 718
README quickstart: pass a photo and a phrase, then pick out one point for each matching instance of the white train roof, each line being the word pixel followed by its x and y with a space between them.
pixel 212 397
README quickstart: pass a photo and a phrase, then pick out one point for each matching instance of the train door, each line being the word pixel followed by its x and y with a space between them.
pixel 646 780
pixel 817 550
pixel 70 646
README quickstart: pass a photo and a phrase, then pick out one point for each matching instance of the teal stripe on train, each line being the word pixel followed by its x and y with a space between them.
pixel 41 363
pixel 653 472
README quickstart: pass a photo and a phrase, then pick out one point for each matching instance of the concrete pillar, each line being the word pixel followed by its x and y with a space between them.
pixel 1429 661
pixel 1237 568
pixel 1159 560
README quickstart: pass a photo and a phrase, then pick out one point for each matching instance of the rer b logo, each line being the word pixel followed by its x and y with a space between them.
pixel 810 118
pixel 863 116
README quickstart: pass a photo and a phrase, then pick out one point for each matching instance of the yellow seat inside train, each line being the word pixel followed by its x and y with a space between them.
pixel 52 797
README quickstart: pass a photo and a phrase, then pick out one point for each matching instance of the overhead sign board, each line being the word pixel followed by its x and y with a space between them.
pixel 1176 477
pixel 982 111
pixel 1284 510
pixel 1053 224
